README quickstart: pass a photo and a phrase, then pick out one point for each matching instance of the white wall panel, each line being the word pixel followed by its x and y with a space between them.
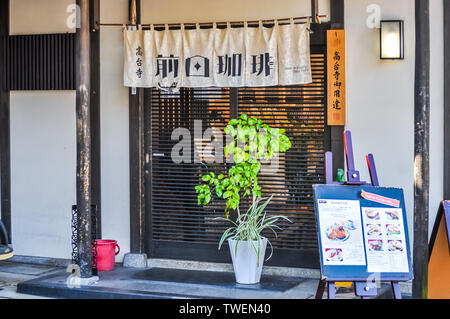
pixel 179 11
pixel 43 172
pixel 41 16
pixel 115 176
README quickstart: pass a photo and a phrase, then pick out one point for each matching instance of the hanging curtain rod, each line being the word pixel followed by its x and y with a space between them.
pixel 209 23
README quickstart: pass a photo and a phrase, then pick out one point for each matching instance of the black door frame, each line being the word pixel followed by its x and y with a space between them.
pixel 5 146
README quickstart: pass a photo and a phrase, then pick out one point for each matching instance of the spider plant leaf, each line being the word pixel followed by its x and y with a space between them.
pixel 275 233
pixel 258 251
pixel 263 206
pixel 225 220
pixel 271 250
pixel 225 235
pixel 235 248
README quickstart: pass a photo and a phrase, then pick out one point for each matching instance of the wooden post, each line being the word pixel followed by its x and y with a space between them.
pixel 337 14
pixel 5 148
pixel 446 100
pixel 95 111
pixel 137 189
pixel 133 12
pixel 421 149
pixel 83 87
pixel 314 10
pixel 337 132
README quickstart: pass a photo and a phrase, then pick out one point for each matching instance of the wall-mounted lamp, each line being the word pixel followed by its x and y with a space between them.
pixel 392 41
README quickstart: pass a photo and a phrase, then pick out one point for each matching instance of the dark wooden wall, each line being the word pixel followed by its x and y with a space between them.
pixel 40 62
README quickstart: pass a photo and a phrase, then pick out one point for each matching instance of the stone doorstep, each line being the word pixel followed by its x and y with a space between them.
pixel 54 286
pixel 405 287
pixel 227 267
pixel 120 284
pixel 179 264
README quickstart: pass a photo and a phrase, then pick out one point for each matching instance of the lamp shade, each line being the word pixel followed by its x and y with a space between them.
pixel 392 40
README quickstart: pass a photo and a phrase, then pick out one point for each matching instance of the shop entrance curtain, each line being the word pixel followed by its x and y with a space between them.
pixel 217 57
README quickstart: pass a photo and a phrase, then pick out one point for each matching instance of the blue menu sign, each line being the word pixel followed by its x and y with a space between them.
pixel 362 233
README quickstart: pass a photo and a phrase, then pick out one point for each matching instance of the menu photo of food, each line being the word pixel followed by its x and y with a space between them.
pixel 395 245
pixel 334 254
pixel 393 230
pixel 372 214
pixel 392 215
pixel 375 245
pixel 386 252
pixel 374 230
pixel 340 231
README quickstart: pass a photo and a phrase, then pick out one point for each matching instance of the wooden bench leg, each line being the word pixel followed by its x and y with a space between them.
pixel 320 289
pixel 331 290
pixel 396 290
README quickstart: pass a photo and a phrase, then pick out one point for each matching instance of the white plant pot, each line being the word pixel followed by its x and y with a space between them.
pixel 245 261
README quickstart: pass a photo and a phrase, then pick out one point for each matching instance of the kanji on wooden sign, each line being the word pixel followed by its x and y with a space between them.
pixel 336 77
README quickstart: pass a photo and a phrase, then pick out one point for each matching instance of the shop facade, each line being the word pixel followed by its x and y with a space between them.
pixel 145 201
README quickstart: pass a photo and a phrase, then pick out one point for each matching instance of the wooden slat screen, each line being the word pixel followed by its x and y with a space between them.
pixel 179 228
pixel 40 62
pixel 175 213
pixel 301 111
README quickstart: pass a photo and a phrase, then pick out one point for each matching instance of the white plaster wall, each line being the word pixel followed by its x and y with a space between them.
pixel 185 11
pixel 437 109
pixel 115 176
pixel 43 147
pixel 43 172
pixel 41 16
pixel 380 105
pixel 44 141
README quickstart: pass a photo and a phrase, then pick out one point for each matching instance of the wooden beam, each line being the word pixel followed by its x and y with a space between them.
pixel 314 9
pixel 137 189
pixel 83 88
pixel 5 147
pixel 95 111
pixel 446 100
pixel 421 149
pixel 337 132
pixel 337 14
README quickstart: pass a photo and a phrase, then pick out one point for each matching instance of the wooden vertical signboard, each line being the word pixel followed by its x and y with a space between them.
pixel 336 77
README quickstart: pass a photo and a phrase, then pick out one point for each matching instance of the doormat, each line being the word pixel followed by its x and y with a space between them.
pixel 213 278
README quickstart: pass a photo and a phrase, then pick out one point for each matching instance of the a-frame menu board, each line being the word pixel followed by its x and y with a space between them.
pixel 439 263
pixel 363 233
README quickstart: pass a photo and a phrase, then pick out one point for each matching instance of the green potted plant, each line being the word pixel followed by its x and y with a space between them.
pixel 252 143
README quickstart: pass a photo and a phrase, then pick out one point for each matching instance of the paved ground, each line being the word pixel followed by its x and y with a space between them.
pixel 12 273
